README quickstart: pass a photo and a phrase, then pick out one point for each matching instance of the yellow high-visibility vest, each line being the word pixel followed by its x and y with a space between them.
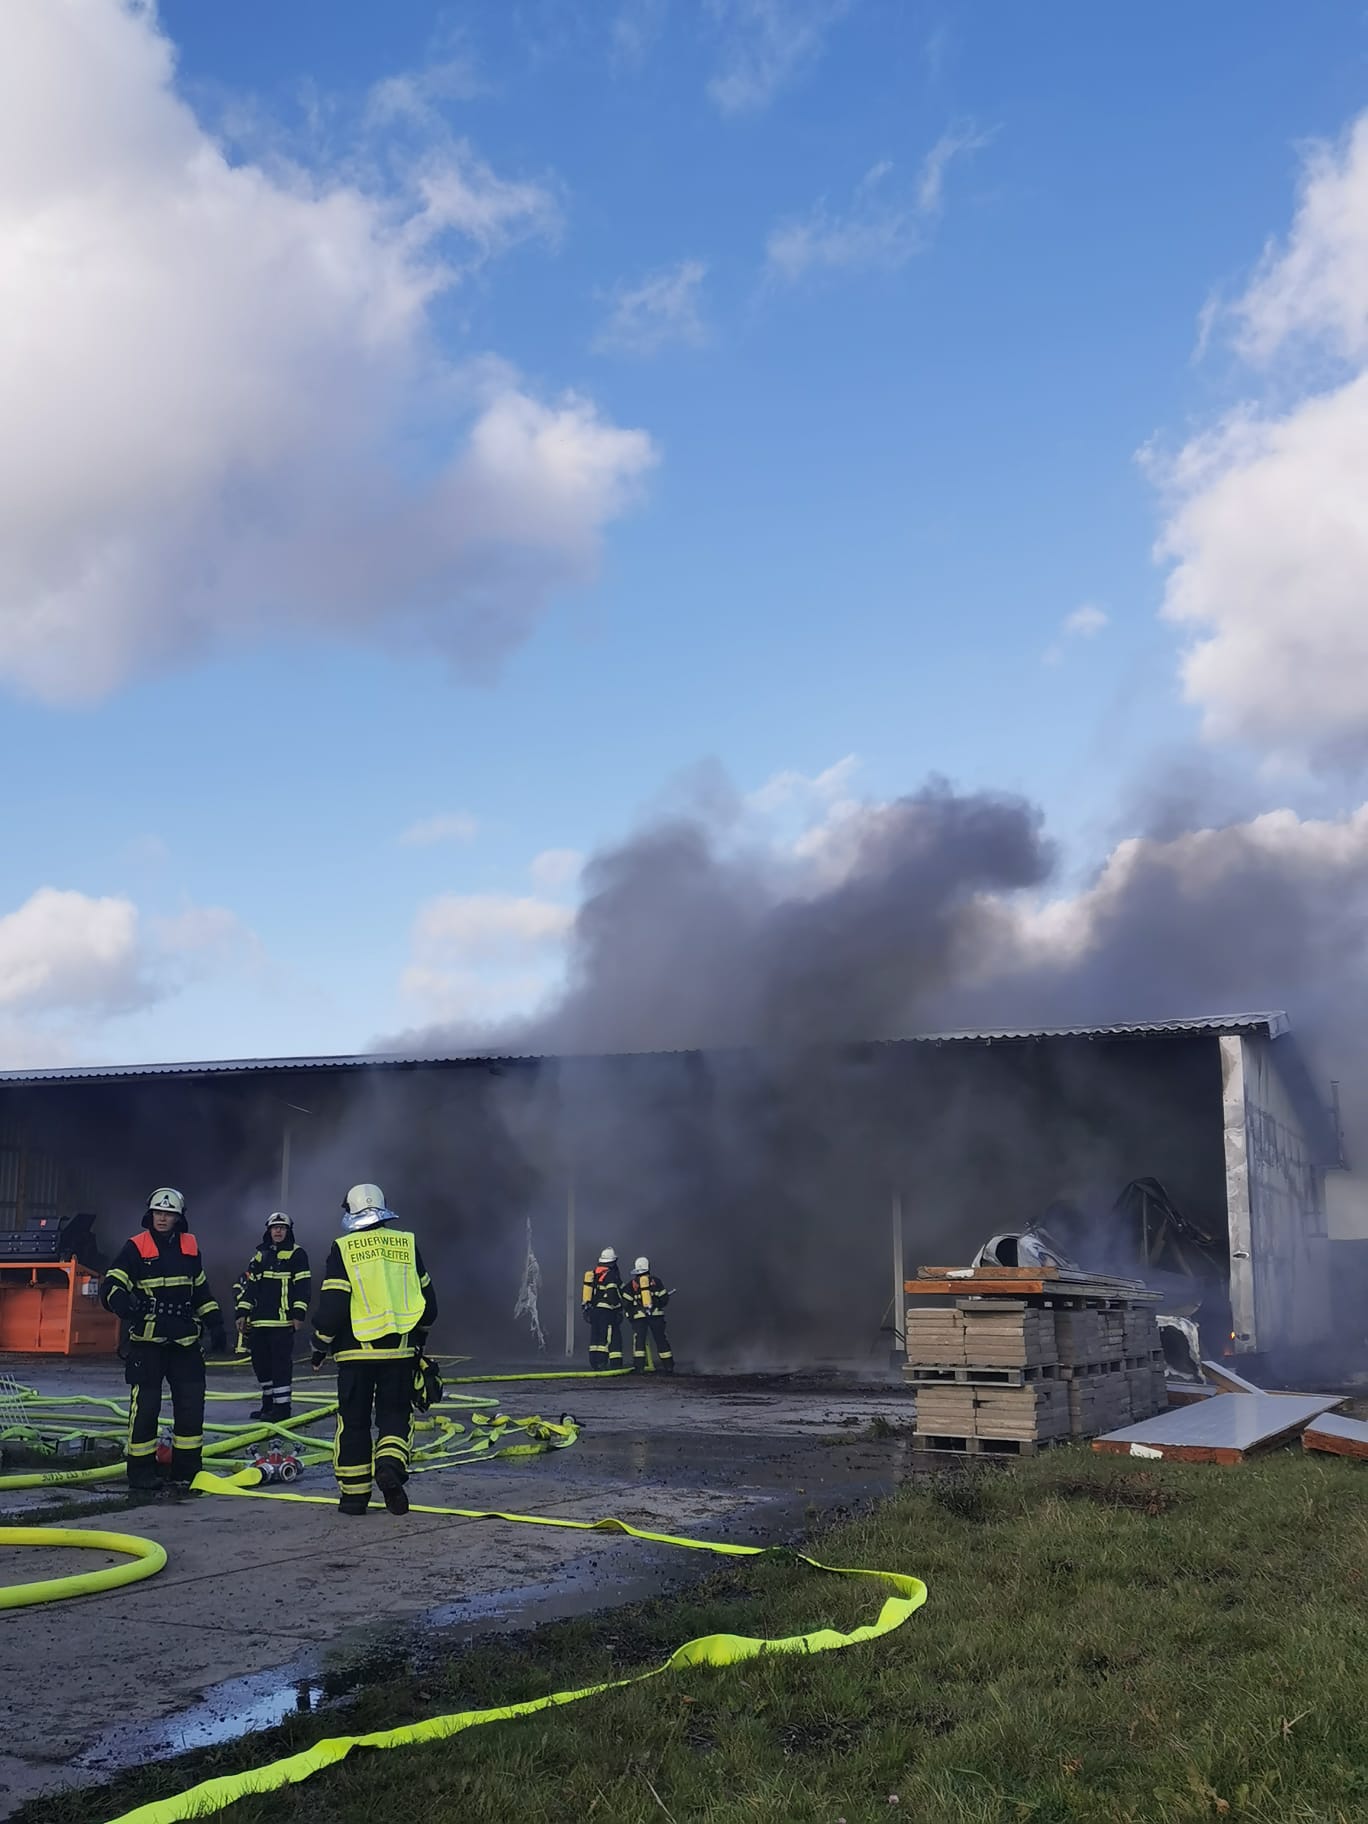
pixel 382 1265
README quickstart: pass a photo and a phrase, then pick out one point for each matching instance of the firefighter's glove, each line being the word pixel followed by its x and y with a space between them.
pixel 218 1341
pixel 317 1359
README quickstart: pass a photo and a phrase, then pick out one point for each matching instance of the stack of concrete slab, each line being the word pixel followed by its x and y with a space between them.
pixel 1015 1359
pixel 936 1337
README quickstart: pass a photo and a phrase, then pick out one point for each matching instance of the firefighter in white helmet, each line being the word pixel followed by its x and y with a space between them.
pixel 601 1307
pixel 374 1312
pixel 647 1298
pixel 157 1288
pixel 272 1299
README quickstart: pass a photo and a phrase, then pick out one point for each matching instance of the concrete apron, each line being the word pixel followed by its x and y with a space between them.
pixel 259 1605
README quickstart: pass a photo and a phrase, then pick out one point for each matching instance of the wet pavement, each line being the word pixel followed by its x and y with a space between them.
pixel 261 1607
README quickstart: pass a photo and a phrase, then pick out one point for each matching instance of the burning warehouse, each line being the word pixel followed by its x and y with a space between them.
pixel 779 1190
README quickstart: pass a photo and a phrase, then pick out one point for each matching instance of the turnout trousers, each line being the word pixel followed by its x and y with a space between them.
pixel 376 1395
pixel 272 1347
pixel 148 1365
pixel 605 1338
pixel 651 1325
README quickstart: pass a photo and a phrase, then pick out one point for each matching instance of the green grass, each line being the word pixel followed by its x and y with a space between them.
pixel 1102 1643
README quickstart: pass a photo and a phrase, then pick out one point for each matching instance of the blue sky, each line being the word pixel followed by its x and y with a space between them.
pixel 868 308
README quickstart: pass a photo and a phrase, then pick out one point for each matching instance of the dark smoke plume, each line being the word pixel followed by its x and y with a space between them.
pixel 783 1133
pixel 680 945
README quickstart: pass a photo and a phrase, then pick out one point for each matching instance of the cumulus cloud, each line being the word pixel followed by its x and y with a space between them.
pixel 1265 531
pixel 766 46
pixel 1316 285
pixel 664 308
pixel 448 826
pixel 882 227
pixel 62 950
pixel 211 436
pixel 71 962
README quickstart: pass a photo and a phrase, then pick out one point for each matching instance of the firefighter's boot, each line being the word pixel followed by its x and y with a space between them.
pixel 389 1479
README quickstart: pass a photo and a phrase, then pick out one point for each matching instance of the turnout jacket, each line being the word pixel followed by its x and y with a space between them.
pixel 602 1289
pixel 156 1285
pixel 343 1307
pixel 646 1295
pixel 274 1289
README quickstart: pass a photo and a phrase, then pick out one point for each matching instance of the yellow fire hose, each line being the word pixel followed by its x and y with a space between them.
pixel 906 1597
pixel 243 1438
pixel 144 1558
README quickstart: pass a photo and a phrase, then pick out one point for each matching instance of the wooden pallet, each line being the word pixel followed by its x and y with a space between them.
pixel 942 1374
pixel 931 1444
pixel 1078 1371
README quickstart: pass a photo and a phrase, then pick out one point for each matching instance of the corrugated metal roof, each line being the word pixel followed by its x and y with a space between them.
pixel 1266 1025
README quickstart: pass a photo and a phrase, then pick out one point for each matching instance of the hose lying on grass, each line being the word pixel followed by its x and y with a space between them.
pixel 455 1440
pixel 907 1594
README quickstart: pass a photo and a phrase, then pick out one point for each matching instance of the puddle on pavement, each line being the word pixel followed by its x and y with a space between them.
pixel 237 1708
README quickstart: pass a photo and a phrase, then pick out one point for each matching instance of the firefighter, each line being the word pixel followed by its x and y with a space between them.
pixel 601 1304
pixel 647 1298
pixel 272 1299
pixel 374 1312
pixel 157 1288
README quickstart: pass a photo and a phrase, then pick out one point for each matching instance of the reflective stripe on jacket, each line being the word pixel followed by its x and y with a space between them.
pixel 600 1292
pixel 274 1290
pixel 156 1285
pixel 645 1294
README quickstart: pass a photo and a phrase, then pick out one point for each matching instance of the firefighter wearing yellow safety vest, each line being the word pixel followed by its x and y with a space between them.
pixel 376 1308
pixel 647 1298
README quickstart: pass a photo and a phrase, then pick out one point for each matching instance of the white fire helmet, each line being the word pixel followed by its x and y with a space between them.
pixel 642 1264
pixel 608 1256
pixel 165 1198
pixel 278 1219
pixel 363 1197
